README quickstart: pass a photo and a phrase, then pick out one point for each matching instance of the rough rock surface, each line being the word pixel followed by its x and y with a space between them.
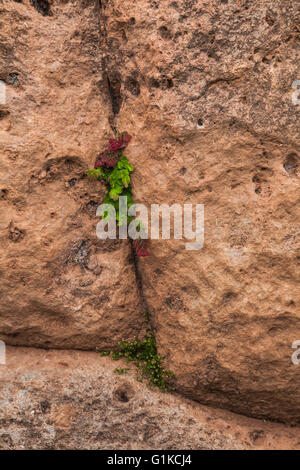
pixel 73 400
pixel 60 285
pixel 215 122
pixel 205 88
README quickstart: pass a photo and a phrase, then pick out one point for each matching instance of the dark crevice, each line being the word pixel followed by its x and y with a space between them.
pixel 42 6
pixel 139 281
pixel 114 87
pixel 4 113
pixel 113 82
pixel 111 76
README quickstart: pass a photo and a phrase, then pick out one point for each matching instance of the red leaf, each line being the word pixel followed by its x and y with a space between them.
pixel 121 143
pixel 141 247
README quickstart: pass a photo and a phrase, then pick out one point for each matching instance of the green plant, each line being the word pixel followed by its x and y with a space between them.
pixel 121 370
pixel 117 183
pixel 113 169
pixel 144 355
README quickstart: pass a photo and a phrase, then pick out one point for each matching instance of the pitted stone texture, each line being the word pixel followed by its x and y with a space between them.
pixel 60 285
pixel 214 122
pixel 73 400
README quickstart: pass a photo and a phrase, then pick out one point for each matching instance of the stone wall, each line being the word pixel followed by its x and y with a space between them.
pixel 205 89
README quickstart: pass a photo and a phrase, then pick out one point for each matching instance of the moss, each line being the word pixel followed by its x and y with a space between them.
pixel 147 316
pixel 121 370
pixel 144 355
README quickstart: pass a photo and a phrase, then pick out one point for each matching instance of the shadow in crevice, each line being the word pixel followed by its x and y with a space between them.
pixel 42 7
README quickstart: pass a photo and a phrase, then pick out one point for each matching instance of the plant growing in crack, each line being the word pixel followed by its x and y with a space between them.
pixel 145 357
pixel 113 169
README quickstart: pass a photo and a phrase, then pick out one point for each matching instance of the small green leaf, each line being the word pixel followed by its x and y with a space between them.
pixel 96 173
pixel 115 192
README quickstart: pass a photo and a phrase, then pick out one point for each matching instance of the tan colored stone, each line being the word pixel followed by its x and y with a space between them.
pixel 74 400
pixel 214 123
pixel 205 88
pixel 58 120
